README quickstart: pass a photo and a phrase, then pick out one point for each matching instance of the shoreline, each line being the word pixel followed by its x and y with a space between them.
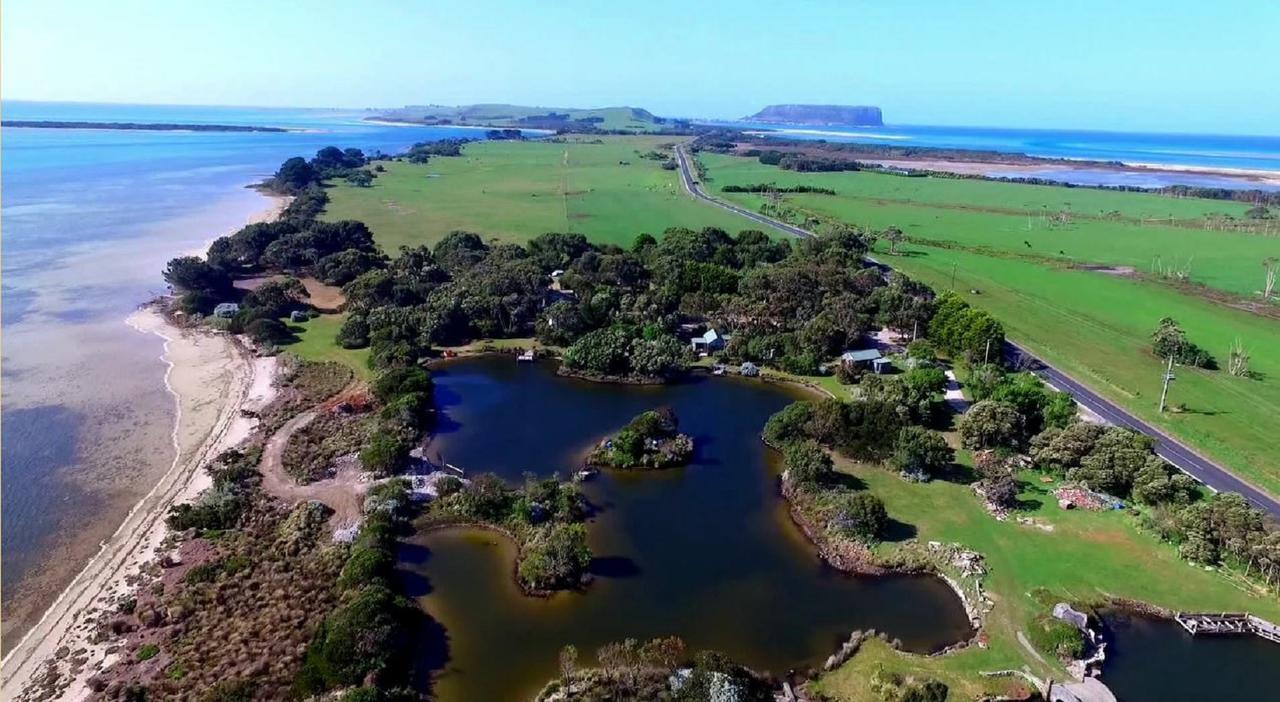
pixel 210 378
pixel 273 211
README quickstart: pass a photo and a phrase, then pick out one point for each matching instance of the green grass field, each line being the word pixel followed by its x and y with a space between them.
pixel 516 190
pixel 1087 556
pixel 316 342
pixel 1017 219
pixel 1093 325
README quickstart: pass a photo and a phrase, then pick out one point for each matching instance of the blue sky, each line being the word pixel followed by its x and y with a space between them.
pixel 1119 65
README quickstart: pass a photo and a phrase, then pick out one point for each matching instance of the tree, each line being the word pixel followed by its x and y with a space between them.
pixel 1238 365
pixel 806 463
pixel 192 274
pixel 568 662
pixel 920 453
pixel 294 175
pixel 1059 450
pixel 1170 341
pixel 1060 410
pixel 789 424
pixel 1269 267
pixel 1114 461
pixel 459 250
pixel 991 424
pixel 860 515
pixel 894 236
pixel 274 298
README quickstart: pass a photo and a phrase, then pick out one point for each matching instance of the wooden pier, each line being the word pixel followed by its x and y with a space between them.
pixel 1227 624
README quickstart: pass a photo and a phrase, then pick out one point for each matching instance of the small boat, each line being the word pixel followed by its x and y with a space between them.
pixel 526 357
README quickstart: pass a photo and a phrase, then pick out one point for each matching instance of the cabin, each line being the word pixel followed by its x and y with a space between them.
pixel 867 358
pixel 226 310
pixel 749 369
pixel 709 341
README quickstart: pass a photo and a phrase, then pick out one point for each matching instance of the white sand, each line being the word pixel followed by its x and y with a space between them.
pixel 211 379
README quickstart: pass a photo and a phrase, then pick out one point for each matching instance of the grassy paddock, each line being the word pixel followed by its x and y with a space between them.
pixel 513 191
pixel 1072 555
pixel 1095 326
pixel 1017 219
pixel 317 342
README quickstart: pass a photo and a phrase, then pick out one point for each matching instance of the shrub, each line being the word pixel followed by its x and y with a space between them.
pixel 354 333
pixel 556 556
pixel 366 635
pixel 393 382
pixel 384 453
pixel 1057 638
pixel 147 651
pixel 921 453
pixel 788 424
pixel 268 331
pixel 807 463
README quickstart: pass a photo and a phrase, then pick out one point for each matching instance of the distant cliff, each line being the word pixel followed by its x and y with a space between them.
pixel 843 115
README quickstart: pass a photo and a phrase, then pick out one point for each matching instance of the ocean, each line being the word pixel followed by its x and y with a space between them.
pixel 1225 152
pixel 89 219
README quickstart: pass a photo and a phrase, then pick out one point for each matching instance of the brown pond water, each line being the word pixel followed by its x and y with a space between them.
pixel 705 552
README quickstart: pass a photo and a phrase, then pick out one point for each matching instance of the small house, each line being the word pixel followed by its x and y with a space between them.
pixel 710 341
pixel 867 358
pixel 749 369
pixel 226 310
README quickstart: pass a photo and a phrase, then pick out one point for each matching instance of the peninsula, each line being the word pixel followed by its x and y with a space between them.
pixel 825 115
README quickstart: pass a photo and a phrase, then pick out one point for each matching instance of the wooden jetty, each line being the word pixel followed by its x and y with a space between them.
pixel 1227 624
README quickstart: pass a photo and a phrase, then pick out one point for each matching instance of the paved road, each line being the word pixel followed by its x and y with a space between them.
pixel 1168 448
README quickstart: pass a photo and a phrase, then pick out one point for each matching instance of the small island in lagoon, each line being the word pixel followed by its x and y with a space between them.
pixel 650 441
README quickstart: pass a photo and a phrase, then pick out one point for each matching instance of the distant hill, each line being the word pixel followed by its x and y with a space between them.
pixel 827 115
pixel 632 119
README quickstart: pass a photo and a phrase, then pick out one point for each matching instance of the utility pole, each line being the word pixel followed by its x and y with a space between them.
pixel 1164 391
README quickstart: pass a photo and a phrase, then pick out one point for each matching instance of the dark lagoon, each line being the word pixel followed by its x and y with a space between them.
pixel 1155 660
pixel 706 552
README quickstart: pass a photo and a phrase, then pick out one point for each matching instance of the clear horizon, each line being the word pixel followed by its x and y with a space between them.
pixel 887 122
pixel 1140 67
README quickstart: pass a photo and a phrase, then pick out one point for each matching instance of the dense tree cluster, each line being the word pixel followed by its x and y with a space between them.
pixel 965 331
pixel 651 440
pixel 775 188
pixel 298 174
pixel 1113 460
pixel 1170 341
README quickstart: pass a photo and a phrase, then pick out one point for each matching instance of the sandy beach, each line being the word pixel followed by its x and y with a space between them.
pixel 211 379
